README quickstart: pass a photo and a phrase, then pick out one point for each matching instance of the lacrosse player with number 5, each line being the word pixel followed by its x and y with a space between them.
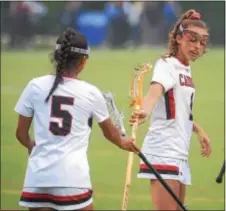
pixel 62 108
pixel 169 102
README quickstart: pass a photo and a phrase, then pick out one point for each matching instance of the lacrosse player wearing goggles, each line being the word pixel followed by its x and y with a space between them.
pixel 169 102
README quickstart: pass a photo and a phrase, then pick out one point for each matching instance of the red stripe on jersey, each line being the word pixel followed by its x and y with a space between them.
pixel 172 103
pixel 56 198
pixel 160 167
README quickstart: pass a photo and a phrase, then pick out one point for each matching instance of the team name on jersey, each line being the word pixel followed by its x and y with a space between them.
pixel 186 80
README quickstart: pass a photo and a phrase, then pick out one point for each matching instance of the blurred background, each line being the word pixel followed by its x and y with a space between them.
pixel 31 24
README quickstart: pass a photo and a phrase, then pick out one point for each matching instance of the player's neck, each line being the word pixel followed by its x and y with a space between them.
pixel 71 75
pixel 182 59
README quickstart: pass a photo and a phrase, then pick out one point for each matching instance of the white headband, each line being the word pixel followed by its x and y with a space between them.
pixel 76 50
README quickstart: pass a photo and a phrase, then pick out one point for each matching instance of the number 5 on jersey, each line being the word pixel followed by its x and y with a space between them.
pixel 61 115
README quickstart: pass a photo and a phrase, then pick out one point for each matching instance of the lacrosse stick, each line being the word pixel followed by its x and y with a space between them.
pixel 219 178
pixel 117 118
pixel 136 93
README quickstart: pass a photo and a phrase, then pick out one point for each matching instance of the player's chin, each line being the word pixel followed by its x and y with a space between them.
pixel 192 58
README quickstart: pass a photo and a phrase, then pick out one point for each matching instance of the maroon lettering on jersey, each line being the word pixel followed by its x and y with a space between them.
pixel 170 104
pixel 186 80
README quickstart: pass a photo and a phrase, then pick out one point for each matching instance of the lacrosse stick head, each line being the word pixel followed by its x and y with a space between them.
pixel 136 89
pixel 115 115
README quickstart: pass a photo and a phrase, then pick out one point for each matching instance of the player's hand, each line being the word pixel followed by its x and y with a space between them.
pixel 141 115
pixel 205 143
pixel 127 144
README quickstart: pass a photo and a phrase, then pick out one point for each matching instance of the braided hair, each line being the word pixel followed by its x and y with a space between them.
pixel 191 17
pixel 65 58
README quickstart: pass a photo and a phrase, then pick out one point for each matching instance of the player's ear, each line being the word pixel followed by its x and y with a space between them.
pixel 179 39
pixel 84 60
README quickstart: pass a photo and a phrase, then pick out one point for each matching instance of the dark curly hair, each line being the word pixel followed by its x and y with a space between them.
pixel 64 56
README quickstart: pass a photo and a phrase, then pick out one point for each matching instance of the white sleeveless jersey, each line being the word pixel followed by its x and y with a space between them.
pixel 62 129
pixel 171 122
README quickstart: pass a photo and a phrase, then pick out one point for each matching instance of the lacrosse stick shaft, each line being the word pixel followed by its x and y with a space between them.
pixel 136 93
pixel 129 171
pixel 134 130
pixel 128 181
pixel 135 124
pixel 219 178
pixel 141 155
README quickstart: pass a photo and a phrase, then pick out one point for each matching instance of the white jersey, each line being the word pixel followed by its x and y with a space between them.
pixel 62 129
pixel 171 122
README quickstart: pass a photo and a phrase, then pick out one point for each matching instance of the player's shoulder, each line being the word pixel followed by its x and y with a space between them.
pixel 173 62
pixel 165 61
pixel 163 64
pixel 41 79
pixel 91 88
pixel 41 82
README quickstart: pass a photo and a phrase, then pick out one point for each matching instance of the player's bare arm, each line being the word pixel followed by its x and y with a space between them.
pixel 151 98
pixel 113 134
pixel 203 139
pixel 22 132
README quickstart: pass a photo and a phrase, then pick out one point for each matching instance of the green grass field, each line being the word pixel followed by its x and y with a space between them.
pixel 111 70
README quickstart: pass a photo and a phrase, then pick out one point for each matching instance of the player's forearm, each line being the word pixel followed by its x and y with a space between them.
pixel 148 105
pixel 24 139
pixel 114 137
pixel 151 98
pixel 110 132
pixel 196 128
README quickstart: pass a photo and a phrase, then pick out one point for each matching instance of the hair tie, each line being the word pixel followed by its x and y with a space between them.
pixel 195 16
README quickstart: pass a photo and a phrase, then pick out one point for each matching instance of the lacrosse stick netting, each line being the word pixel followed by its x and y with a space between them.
pixel 116 116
